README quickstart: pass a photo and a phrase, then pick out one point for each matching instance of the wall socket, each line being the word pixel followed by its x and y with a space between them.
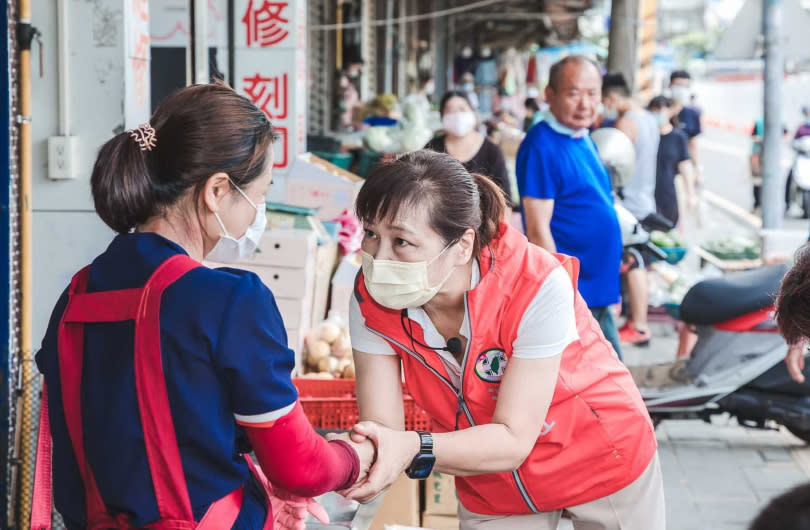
pixel 62 152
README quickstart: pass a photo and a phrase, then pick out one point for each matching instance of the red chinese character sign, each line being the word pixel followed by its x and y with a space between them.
pixel 266 23
pixel 269 93
pixel 270 61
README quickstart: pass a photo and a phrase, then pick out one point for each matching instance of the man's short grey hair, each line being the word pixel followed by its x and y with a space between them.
pixel 557 68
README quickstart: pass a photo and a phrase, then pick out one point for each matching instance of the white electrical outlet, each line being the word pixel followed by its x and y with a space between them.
pixel 62 157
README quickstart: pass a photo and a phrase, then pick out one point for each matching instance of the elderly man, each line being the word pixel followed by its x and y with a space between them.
pixel 565 190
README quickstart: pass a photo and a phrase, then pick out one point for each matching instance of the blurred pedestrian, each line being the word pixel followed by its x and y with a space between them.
pixel 789 511
pixel 462 141
pixel 638 195
pixel 793 312
pixel 673 160
pixel 566 191
pixel 680 85
pixel 533 114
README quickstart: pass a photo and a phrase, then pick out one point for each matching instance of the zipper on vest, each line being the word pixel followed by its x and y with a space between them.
pixel 518 481
pixel 462 405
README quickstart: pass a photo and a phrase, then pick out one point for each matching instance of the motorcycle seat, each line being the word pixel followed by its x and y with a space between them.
pixel 720 299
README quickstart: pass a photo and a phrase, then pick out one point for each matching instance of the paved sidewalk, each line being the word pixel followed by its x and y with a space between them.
pixel 719 476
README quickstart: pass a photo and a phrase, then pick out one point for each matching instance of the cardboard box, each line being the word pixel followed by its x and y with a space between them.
pixel 440 495
pixel 440 522
pixel 400 505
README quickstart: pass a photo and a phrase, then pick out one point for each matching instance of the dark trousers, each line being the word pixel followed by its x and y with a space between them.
pixel 605 319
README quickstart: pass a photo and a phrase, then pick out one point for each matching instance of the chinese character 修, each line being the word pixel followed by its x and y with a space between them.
pixel 266 25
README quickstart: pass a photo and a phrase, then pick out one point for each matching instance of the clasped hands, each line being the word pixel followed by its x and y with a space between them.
pixel 383 453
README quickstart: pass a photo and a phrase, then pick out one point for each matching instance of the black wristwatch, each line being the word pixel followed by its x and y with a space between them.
pixel 422 464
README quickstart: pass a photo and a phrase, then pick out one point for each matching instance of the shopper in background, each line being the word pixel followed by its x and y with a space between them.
pixel 673 160
pixel 788 511
pixel 530 407
pixel 163 374
pixel 565 189
pixel 638 195
pixel 680 86
pixel 462 141
pixel 793 312
pixel 533 114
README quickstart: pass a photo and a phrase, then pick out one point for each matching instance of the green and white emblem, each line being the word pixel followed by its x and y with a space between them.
pixel 490 365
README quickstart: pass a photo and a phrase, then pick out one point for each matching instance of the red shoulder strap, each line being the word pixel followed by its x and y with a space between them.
pixel 153 400
pixel 42 501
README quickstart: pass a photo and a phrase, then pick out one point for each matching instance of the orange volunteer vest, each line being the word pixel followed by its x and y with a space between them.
pixel 597 437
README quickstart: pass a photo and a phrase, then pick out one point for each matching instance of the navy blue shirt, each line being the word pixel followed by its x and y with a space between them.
pixel 552 165
pixel 689 121
pixel 672 150
pixel 224 353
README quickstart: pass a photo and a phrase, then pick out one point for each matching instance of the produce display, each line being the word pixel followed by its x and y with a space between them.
pixel 328 352
pixel 735 247
pixel 665 240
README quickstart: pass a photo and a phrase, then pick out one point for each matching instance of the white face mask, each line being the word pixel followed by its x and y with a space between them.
pixel 230 250
pixel 681 94
pixel 400 284
pixel 459 123
pixel 610 114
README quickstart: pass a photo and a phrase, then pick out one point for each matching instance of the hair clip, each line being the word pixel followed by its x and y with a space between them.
pixel 145 136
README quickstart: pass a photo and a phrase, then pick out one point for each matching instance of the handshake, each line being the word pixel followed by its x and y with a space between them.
pixel 384 455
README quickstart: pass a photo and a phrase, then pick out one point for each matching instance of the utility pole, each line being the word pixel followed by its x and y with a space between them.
pixel 623 40
pixel 389 47
pixel 772 203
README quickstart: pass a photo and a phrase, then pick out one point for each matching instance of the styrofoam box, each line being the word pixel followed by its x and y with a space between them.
pixel 285 248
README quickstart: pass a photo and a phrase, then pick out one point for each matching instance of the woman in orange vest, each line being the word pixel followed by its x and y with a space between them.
pixel 532 410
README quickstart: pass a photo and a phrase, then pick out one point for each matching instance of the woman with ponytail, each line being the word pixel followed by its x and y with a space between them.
pixel 163 374
pixel 532 410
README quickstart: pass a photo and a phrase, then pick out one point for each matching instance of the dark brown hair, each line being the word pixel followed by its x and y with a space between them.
pixel 455 199
pixel 454 94
pixel 200 130
pixel 793 302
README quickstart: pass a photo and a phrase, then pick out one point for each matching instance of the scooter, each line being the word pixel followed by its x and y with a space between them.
pixel 800 175
pixel 737 364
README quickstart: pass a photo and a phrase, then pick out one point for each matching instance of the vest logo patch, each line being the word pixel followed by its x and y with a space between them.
pixel 490 365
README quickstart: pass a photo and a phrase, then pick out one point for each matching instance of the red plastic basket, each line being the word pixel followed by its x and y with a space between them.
pixel 332 404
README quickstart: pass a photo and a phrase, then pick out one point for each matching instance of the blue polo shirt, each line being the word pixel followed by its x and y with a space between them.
pixel 224 354
pixel 554 165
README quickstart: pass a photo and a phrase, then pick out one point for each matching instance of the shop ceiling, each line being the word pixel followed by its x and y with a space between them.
pixel 520 23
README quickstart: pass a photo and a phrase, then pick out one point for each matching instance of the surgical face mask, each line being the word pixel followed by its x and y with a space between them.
pixel 681 94
pixel 468 87
pixel 459 123
pixel 400 284
pixel 663 118
pixel 610 114
pixel 230 250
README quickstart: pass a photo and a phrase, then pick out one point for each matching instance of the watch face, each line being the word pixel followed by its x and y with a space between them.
pixel 421 467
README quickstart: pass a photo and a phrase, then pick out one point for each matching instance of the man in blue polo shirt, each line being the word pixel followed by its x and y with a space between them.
pixel 566 191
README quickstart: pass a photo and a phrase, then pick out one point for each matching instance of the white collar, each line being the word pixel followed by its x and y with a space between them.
pixel 562 129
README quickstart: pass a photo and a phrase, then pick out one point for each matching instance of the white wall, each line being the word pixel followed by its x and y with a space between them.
pixel 67 233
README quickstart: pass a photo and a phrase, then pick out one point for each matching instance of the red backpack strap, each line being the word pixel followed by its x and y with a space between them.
pixel 42 502
pixel 159 435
